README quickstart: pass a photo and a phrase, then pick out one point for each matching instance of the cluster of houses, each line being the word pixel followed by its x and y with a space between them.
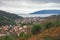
pixel 17 29
pixel 32 20
pixel 6 30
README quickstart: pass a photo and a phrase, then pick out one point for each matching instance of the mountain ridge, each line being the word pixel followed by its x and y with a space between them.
pixel 47 12
pixel 9 15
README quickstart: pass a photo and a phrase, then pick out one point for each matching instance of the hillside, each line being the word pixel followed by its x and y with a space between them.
pixel 9 15
pixel 7 18
pixel 47 12
pixel 53 18
pixel 52 29
pixel 49 34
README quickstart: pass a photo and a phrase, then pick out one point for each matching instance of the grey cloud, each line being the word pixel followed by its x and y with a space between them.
pixel 46 1
pixel 28 1
pixel 34 1
pixel 38 1
pixel 13 0
pixel 1 3
pixel 28 6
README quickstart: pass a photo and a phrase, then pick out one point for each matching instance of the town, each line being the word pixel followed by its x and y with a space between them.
pixel 23 25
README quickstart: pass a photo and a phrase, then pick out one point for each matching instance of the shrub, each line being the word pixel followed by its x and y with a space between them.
pixel 49 25
pixel 47 38
pixel 36 28
pixel 23 35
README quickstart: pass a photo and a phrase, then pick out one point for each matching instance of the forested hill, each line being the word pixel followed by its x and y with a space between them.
pixel 9 15
pixel 7 18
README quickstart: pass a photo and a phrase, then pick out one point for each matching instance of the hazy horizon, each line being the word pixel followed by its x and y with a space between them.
pixel 36 15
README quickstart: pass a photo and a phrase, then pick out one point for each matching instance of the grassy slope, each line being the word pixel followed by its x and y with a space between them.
pixel 51 33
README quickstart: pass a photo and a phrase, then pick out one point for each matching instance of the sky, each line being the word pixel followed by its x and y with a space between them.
pixel 28 6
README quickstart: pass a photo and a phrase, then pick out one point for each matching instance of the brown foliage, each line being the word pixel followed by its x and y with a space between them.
pixel 52 32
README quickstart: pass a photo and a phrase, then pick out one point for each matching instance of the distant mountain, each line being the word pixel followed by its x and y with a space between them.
pixel 9 15
pixel 47 12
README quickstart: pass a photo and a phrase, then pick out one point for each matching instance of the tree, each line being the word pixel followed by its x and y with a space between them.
pixel 36 28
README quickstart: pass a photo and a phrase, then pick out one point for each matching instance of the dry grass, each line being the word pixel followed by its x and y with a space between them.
pixel 52 33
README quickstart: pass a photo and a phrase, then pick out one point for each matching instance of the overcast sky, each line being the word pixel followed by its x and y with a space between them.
pixel 28 6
